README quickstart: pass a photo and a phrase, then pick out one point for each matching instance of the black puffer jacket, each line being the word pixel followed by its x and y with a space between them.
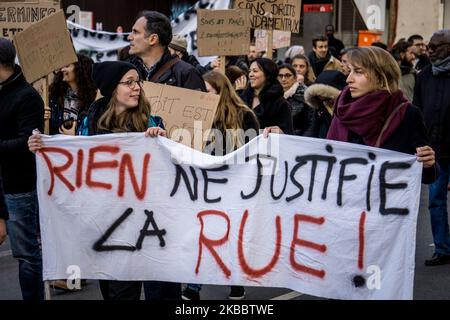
pixel 302 113
pixel 181 74
pixel 273 109
pixel 21 111
pixel 432 96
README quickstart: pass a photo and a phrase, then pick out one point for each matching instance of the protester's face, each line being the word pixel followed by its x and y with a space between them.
pixel 300 66
pixel 252 54
pixel 419 48
pixel 321 49
pixel 329 31
pixel 257 77
pixel 410 56
pixel 344 65
pixel 439 47
pixel 209 88
pixel 139 42
pixel 359 81
pixel 69 73
pixel 286 78
pixel 129 90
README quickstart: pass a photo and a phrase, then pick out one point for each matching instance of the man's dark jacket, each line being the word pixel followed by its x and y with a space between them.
pixel 432 96
pixel 21 111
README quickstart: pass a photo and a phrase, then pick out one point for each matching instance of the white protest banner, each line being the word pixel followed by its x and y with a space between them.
pixel 223 32
pixel 186 24
pixel 273 14
pixel 186 113
pixel 323 218
pixel 281 39
pixel 45 47
pixel 99 45
pixel 19 15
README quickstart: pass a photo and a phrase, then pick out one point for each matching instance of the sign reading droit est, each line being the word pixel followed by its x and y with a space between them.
pixel 223 32
pixel 273 14
pixel 45 47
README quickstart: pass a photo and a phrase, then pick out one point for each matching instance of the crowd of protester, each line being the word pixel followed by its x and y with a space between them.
pixel 397 100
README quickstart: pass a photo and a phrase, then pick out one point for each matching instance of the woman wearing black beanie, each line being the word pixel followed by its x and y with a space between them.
pixel 123 108
pixel 265 96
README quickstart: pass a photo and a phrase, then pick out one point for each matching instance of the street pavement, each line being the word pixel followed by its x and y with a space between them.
pixel 431 283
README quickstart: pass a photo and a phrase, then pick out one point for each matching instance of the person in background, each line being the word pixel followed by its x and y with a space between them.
pixel 237 77
pixel 321 96
pixel 403 53
pixel 321 58
pixel 71 94
pixel 380 45
pixel 344 61
pixel 149 41
pixel 432 96
pixel 178 47
pixel 336 45
pixel 294 93
pixel 21 111
pixel 305 73
pixel 420 51
pixel 265 96
pixel 3 213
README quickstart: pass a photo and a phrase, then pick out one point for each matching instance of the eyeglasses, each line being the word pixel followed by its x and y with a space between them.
pixel 286 76
pixel 434 47
pixel 131 83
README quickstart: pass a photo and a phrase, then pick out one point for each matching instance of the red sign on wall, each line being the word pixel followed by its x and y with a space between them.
pixel 318 8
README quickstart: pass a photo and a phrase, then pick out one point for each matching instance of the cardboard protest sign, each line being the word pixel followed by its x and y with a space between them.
pixel 281 39
pixel 45 47
pixel 223 32
pixel 273 14
pixel 324 218
pixel 187 114
pixel 17 16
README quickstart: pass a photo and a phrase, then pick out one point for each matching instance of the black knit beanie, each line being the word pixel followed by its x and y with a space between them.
pixel 107 75
pixel 7 52
pixel 333 78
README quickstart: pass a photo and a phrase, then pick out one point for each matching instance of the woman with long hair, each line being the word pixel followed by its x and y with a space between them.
pixel 265 96
pixel 70 96
pixel 123 108
pixel 304 69
pixel 373 111
pixel 294 93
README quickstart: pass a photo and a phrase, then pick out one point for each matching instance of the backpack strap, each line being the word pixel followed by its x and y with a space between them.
pixel 166 66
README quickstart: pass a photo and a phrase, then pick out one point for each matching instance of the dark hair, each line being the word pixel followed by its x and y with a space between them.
pixel 7 53
pixel 87 90
pixel 124 54
pixel 415 37
pixel 380 45
pixel 270 70
pixel 159 24
pixel 289 67
pixel 318 38
pixel 400 47
pixel 233 73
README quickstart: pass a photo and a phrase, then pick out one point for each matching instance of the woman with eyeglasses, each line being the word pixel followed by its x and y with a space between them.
pixel 294 93
pixel 70 96
pixel 373 111
pixel 123 108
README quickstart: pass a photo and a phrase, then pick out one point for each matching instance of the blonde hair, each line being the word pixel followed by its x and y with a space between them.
pixel 134 119
pixel 231 110
pixel 380 66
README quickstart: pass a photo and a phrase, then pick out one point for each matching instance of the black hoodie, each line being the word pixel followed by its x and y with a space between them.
pixel 21 111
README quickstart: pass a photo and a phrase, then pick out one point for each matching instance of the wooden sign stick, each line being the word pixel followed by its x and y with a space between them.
pixel 223 62
pixel 46 105
pixel 270 44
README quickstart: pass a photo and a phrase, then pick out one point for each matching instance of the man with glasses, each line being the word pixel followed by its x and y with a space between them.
pixel 432 95
pixel 420 51
pixel 149 41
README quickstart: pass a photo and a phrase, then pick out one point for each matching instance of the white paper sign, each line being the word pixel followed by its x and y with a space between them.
pixel 323 218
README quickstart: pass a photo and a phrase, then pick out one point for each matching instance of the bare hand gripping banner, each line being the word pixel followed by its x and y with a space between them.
pixel 320 217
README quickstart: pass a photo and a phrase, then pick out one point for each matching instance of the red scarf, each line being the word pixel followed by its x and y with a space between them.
pixel 366 116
